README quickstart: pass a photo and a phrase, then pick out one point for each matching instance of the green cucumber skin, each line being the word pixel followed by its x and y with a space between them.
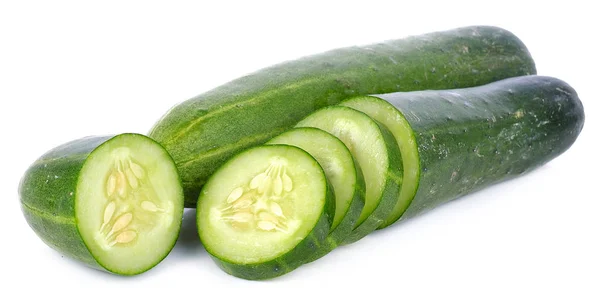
pixel 391 190
pixel 205 131
pixel 471 138
pixel 47 195
pixel 301 254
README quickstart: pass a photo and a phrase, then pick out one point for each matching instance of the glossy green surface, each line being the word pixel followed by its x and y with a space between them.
pixel 471 138
pixel 203 132
pixel 47 193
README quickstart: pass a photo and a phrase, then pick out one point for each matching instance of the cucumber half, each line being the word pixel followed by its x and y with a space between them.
pixel 394 120
pixel 377 154
pixel 341 171
pixel 455 142
pixel 265 211
pixel 115 203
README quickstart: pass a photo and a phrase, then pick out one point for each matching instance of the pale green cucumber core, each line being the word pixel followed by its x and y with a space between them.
pixel 394 120
pixel 363 138
pixel 261 204
pixel 129 204
pixel 335 159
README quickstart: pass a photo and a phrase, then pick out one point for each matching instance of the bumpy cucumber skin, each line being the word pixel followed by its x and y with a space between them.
pixel 291 260
pixel 205 131
pixel 47 193
pixel 471 138
pixel 339 234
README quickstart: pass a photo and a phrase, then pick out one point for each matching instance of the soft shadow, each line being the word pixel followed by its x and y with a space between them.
pixel 476 197
pixel 188 242
pixel 76 266
pixel 188 246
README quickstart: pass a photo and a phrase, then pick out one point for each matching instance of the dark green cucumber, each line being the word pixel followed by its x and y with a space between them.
pixel 377 154
pixel 114 203
pixel 205 131
pixel 467 139
pixel 265 211
pixel 343 174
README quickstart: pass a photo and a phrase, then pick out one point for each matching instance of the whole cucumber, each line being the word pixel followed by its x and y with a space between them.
pixel 203 132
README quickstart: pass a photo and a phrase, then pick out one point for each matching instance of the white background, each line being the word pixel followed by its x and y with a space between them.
pixel 72 69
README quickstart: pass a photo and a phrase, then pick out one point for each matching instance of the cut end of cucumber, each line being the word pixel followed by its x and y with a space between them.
pixel 394 120
pixel 261 204
pixel 333 156
pixel 129 200
pixel 363 138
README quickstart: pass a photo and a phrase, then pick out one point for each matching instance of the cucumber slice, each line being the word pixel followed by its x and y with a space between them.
pixel 115 203
pixel 394 120
pixel 377 153
pixel 265 211
pixel 340 169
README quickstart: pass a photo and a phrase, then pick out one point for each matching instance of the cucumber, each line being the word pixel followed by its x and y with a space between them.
pixel 114 203
pixel 377 154
pixel 343 174
pixel 265 211
pixel 205 131
pixel 455 142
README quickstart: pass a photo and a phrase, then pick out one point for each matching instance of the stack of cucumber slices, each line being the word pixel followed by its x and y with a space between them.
pixel 385 158
pixel 295 160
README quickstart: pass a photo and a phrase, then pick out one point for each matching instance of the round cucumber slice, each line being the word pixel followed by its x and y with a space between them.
pixel 115 203
pixel 378 156
pixel 265 211
pixel 394 120
pixel 340 170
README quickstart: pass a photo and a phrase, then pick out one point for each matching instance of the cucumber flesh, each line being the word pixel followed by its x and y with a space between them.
pixel 377 154
pixel 265 211
pixel 115 203
pixel 340 170
pixel 394 120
